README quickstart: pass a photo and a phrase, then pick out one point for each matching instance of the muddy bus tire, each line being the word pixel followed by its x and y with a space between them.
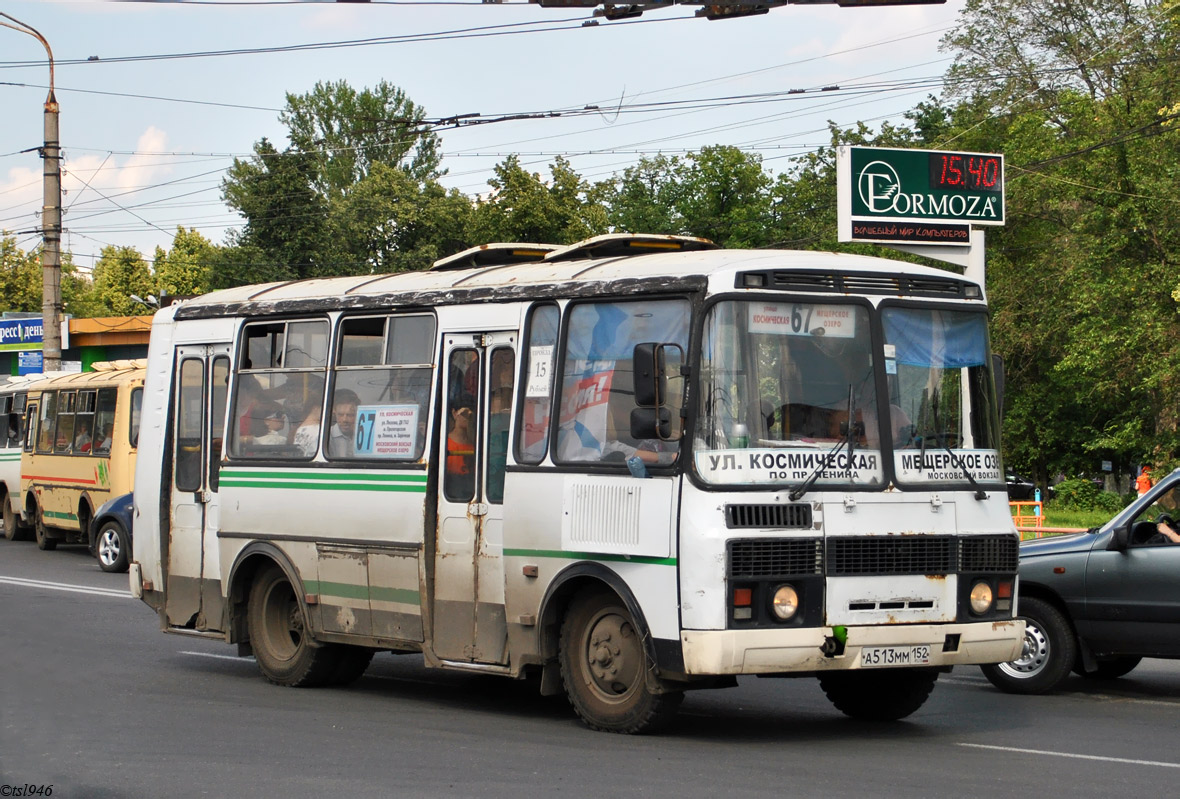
pixel 604 668
pixel 13 529
pixel 283 647
pixel 44 542
pixel 878 694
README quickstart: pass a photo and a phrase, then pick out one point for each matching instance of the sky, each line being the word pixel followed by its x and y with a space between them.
pixel 146 139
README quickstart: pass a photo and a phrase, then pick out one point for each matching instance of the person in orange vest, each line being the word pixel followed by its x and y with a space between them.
pixel 1143 482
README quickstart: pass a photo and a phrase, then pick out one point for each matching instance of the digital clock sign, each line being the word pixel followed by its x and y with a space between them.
pixel 889 194
pixel 965 172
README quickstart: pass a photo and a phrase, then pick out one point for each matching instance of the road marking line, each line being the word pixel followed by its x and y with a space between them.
pixel 77 589
pixel 1131 761
pixel 219 657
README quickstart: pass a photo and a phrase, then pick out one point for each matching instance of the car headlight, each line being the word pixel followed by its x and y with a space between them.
pixel 785 602
pixel 981 597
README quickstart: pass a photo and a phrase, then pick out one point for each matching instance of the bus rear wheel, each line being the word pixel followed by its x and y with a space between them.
pixel 878 694
pixel 14 530
pixel 283 647
pixel 44 542
pixel 605 668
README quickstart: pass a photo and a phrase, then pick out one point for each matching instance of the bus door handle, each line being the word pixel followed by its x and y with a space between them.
pixel 477 509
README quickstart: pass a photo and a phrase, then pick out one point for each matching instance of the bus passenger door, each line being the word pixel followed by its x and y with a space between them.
pixel 198 422
pixel 468 602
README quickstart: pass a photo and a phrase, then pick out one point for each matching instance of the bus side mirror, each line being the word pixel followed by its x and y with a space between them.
pixel 651 379
pixel 651 423
pixel 998 375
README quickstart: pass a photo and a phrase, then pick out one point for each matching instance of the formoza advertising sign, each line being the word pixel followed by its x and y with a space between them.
pixel 917 196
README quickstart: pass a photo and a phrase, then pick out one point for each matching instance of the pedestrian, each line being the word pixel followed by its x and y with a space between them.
pixel 1143 482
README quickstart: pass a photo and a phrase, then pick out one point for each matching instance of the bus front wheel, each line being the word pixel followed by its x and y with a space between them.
pixel 604 667
pixel 282 644
pixel 878 694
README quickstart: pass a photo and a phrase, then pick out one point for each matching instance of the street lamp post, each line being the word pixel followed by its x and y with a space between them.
pixel 50 216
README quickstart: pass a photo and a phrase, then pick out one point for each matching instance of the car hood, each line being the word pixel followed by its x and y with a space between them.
pixel 1056 545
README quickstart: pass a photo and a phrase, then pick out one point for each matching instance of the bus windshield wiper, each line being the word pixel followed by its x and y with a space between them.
pixel 955 459
pixel 848 441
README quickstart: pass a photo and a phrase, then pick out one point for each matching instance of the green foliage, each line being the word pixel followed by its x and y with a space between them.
pixel 523 207
pixel 184 269
pixel 119 273
pixel 1079 494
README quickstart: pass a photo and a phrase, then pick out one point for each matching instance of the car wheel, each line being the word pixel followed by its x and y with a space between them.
pixel 1110 668
pixel 283 646
pixel 878 694
pixel 44 542
pixel 604 667
pixel 112 548
pixel 1047 656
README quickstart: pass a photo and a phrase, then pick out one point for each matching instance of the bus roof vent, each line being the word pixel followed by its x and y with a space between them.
pixel 950 287
pixel 498 254
pixel 621 245
pixel 114 366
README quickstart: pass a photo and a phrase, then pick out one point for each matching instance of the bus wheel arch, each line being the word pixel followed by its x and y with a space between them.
pixel 605 652
pixel 40 530
pixel 278 624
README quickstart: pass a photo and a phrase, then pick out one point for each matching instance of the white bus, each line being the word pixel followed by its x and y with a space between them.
pixel 13 396
pixel 636 465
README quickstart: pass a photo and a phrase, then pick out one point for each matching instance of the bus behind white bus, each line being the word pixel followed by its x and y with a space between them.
pixel 634 466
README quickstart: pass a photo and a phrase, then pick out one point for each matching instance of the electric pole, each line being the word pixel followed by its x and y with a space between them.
pixel 50 216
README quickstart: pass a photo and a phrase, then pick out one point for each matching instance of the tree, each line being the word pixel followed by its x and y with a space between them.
pixel 645 198
pixel 119 273
pixel 184 269
pixel 523 207
pixel 723 196
pixel 349 132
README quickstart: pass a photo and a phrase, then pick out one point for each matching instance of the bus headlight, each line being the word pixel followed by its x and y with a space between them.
pixel 785 602
pixel 981 597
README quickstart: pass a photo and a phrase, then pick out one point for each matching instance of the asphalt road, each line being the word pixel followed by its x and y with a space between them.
pixel 96 702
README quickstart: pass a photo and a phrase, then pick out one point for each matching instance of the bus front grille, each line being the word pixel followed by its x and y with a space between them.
pixel 775 557
pixel 796 516
pixel 989 554
pixel 892 554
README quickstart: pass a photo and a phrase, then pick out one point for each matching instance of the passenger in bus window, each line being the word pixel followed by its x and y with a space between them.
pixel 82 438
pixel 461 450
pixel 103 444
pixel 343 436
pixel 274 422
pixel 307 435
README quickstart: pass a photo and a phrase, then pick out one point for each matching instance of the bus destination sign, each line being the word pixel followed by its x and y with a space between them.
pixel 917 196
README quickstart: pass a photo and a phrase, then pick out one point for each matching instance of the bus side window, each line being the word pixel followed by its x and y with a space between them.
pixel 30 425
pixel 533 439
pixel 104 421
pixel 47 421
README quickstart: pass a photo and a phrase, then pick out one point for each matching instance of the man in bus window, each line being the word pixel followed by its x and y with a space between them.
pixel 343 435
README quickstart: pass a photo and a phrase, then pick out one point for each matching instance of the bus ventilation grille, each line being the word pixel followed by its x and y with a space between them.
pixel 796 516
pixel 992 553
pixel 892 554
pixel 782 557
pixel 857 282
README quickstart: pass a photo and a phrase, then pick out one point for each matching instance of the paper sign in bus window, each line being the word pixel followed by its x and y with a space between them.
pixel 540 370
pixel 803 319
pixel 386 431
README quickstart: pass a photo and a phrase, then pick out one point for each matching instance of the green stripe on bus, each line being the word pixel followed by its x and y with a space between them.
pixel 297 484
pixel 404 596
pixel 53 514
pixel 317 475
pixel 556 553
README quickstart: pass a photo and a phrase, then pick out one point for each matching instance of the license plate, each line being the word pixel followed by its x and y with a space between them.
pixel 895 656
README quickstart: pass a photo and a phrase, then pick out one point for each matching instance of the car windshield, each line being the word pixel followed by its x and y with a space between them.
pixel 790 388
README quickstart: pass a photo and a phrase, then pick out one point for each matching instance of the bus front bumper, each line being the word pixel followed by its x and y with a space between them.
pixel 708 652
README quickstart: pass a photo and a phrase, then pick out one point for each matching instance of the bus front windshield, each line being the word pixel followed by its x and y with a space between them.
pixel 790 394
